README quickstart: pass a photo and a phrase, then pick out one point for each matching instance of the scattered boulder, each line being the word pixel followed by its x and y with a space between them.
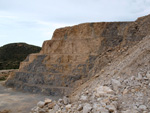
pixel 116 84
pixel 148 74
pixel 87 108
pixel 41 104
pixel 66 100
pixel 102 90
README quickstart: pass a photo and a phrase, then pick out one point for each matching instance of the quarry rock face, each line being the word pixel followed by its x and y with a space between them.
pixel 75 54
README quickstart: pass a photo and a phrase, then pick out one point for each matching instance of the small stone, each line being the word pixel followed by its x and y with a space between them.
pixel 42 111
pixel 47 101
pixel 132 78
pixel 41 104
pixel 51 111
pixel 132 90
pixel 51 105
pixel 139 76
pixel 130 111
pixel 111 108
pixel 66 100
pixel 102 90
pixel 97 75
pixel 102 70
pixel 87 92
pixel 87 108
pixel 116 84
pixel 56 107
pixel 125 91
pixel 148 74
pixel 144 112
pixel 80 107
pixel 60 102
pixel 102 110
pixel 68 106
pixel 83 98
pixel 142 107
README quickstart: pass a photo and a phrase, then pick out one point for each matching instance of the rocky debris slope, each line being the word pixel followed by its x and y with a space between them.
pixel 75 54
pixel 121 87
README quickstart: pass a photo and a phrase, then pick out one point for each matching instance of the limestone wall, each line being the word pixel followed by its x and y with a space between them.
pixel 68 59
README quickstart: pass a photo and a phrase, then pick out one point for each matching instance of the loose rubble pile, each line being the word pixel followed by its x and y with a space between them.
pixel 126 96
pixel 121 87
pixel 102 99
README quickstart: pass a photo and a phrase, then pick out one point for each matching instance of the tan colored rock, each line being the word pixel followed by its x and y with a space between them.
pixel 125 91
pixel 103 90
pixel 47 101
pixel 51 105
pixel 68 106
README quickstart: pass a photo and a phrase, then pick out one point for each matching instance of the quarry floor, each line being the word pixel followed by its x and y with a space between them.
pixel 12 101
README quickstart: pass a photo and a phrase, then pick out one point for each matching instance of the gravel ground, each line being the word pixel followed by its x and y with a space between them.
pixel 18 102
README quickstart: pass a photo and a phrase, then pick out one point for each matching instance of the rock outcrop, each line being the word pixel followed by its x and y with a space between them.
pixel 75 54
pixel 122 87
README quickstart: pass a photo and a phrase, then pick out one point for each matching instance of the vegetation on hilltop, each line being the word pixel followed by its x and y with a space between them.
pixel 12 54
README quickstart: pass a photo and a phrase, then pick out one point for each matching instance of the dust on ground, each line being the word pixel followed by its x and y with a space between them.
pixel 12 101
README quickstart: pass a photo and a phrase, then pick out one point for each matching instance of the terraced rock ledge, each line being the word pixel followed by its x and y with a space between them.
pixel 76 54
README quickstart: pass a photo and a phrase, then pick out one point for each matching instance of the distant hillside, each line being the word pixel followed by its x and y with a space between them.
pixel 12 54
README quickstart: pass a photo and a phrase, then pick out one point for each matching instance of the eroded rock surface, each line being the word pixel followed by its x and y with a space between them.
pixel 122 87
pixel 75 54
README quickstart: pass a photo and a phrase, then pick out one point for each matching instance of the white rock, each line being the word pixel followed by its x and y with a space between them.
pixel 41 111
pixel 139 76
pixel 68 106
pixel 66 100
pixel 130 111
pixel 83 98
pixel 101 110
pixel 96 105
pixel 35 109
pixel 41 104
pixel 132 78
pixel 116 84
pixel 51 111
pixel 56 107
pixel 148 74
pixel 125 91
pixel 60 102
pixel 87 108
pixel 47 101
pixel 80 107
pixel 102 90
pixel 111 108
pixel 142 107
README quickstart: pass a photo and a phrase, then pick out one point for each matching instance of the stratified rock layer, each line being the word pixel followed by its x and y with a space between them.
pixel 68 59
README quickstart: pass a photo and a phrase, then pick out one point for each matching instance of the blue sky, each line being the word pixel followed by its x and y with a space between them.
pixel 33 21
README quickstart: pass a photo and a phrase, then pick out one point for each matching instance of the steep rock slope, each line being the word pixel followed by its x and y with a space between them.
pixel 75 54
pixel 128 78
pixel 122 87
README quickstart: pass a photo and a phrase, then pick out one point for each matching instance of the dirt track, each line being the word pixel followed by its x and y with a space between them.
pixel 18 102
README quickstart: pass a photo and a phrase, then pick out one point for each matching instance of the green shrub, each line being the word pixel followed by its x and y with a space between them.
pixel 12 54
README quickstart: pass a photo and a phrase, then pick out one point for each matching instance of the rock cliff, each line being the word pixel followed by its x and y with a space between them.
pixel 75 54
